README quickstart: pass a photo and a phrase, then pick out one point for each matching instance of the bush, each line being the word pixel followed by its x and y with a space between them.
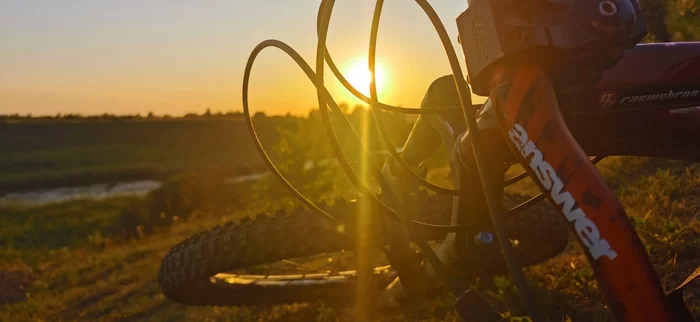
pixel 132 220
pixel 185 194
pixel 177 199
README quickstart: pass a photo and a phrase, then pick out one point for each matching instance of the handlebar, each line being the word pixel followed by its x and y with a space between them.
pixel 555 36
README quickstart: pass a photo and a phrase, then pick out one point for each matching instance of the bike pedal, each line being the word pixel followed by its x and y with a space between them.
pixel 675 299
pixel 473 307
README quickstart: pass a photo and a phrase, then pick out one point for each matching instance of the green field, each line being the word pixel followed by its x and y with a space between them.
pixel 98 260
pixel 47 154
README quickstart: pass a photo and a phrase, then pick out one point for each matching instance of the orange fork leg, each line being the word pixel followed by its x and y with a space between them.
pixel 527 109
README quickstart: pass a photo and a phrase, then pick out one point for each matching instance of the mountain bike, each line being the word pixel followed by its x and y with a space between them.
pixel 565 80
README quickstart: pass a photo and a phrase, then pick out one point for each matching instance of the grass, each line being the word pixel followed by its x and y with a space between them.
pixel 59 225
pixel 64 266
pixel 50 154
pixel 114 281
pixel 41 154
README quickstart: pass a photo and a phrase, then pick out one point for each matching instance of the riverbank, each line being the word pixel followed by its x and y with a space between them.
pixel 40 154
pixel 102 191
pixel 95 191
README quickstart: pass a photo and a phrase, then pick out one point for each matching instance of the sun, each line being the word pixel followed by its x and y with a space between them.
pixel 359 76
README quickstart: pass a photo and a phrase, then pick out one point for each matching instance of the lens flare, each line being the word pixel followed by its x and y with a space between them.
pixel 359 76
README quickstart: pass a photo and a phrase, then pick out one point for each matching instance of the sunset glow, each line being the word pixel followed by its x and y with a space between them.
pixel 359 76
pixel 128 57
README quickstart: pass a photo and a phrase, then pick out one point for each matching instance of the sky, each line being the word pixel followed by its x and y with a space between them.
pixel 180 56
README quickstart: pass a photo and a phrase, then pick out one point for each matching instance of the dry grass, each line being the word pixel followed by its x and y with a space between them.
pixel 117 281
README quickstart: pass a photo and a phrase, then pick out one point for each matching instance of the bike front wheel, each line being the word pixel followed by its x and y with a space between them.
pixel 205 269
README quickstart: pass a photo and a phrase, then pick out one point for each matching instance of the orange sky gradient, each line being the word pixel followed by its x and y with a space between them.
pixel 176 57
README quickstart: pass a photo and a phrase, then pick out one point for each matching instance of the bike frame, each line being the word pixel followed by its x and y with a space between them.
pixel 655 125
pixel 635 103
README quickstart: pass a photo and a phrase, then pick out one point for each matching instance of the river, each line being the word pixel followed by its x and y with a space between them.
pixel 99 191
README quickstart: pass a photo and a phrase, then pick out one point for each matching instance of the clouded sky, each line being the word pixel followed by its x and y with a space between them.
pixel 179 56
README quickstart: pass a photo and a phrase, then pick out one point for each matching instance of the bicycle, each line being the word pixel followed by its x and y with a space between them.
pixel 549 79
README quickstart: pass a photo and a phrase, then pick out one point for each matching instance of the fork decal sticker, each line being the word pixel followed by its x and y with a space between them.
pixel 537 133
pixel 586 229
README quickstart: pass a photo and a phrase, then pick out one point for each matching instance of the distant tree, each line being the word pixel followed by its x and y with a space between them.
pixel 72 116
pixel 314 114
pixel 259 115
pixel 207 112
pixel 359 110
pixel 150 115
pixel 358 107
pixel 655 15
pixel 683 19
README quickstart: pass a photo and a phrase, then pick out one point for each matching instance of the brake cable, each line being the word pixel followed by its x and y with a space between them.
pixel 326 99
pixel 391 108
pixel 326 8
pixel 475 142
pixel 396 109
pixel 249 120
pixel 420 240
pixel 375 105
pixel 539 197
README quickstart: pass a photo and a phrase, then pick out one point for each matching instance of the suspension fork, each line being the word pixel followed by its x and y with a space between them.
pixel 471 210
pixel 531 122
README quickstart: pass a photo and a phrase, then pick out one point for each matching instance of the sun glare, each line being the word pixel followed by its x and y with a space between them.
pixel 359 76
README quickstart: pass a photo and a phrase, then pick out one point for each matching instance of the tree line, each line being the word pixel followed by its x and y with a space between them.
pixel 111 116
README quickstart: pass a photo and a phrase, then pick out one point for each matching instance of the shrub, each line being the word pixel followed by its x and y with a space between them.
pixel 177 199
pixel 130 219
pixel 185 194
